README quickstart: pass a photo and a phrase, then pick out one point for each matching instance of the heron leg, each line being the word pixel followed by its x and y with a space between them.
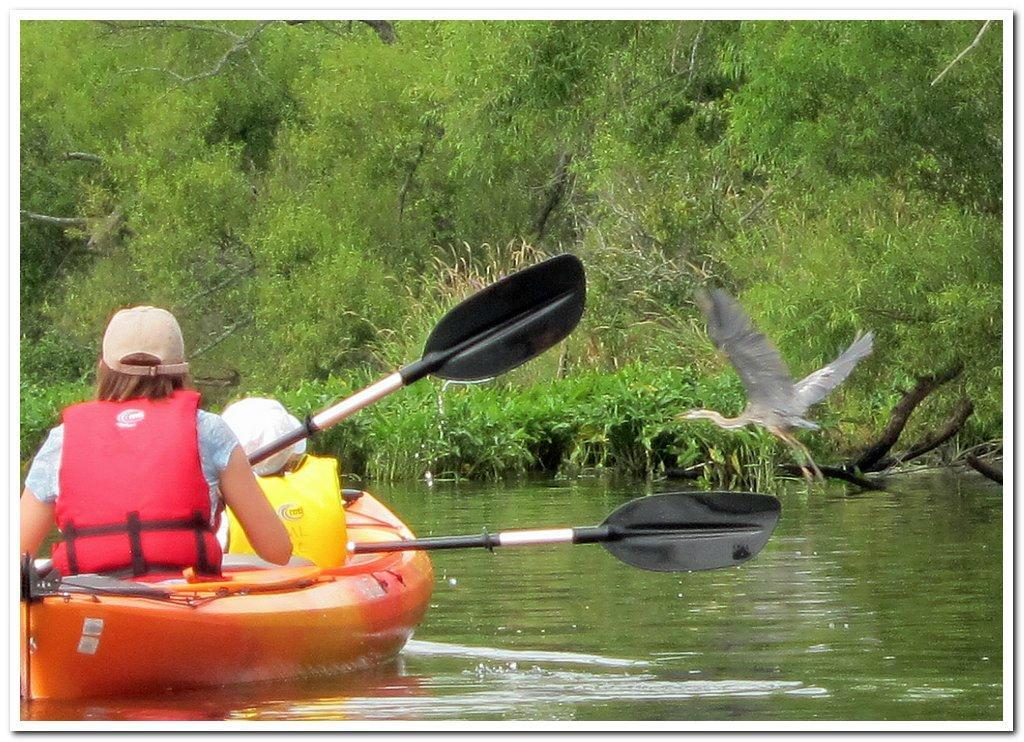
pixel 810 461
pixel 798 453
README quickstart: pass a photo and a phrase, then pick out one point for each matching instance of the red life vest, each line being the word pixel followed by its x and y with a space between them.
pixel 132 491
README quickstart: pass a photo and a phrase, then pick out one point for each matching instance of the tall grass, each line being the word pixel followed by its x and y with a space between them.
pixel 623 421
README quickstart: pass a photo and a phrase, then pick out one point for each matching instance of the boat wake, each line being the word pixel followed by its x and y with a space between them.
pixel 438 649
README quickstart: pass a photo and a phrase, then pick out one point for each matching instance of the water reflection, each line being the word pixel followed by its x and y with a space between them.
pixel 862 606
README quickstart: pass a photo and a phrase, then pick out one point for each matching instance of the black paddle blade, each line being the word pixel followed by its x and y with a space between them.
pixel 506 324
pixel 683 532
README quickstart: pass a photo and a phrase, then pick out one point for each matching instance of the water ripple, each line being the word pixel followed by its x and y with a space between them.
pixel 541 693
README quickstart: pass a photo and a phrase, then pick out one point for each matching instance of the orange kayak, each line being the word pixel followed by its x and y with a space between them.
pixel 266 624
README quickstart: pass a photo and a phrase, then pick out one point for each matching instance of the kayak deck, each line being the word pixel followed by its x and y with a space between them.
pixel 310 622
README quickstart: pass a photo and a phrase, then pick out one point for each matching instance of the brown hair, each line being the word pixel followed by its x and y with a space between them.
pixel 114 386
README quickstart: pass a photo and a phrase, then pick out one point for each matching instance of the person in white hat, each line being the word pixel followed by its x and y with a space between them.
pixel 136 480
pixel 258 421
pixel 304 489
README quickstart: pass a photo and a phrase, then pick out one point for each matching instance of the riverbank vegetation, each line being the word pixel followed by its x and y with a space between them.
pixel 310 197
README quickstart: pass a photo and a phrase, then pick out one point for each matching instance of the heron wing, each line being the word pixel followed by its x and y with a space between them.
pixel 816 386
pixel 758 363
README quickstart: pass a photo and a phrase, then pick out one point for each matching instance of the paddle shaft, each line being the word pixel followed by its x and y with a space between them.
pixel 486 540
pixel 536 537
pixel 333 414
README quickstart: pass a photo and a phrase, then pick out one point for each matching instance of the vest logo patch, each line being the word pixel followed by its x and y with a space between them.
pixel 128 419
pixel 290 511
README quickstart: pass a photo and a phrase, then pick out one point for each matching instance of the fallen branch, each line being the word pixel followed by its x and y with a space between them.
pixel 925 385
pixel 961 55
pixel 933 440
pixel 984 468
pixel 838 472
pixel 675 472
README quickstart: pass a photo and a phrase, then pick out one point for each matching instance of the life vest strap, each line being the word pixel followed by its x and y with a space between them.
pixel 134 526
pixel 135 543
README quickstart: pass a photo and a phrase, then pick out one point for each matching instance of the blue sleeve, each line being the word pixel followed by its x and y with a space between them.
pixel 216 442
pixel 43 476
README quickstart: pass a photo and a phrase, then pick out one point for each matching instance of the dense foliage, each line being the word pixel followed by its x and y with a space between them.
pixel 309 197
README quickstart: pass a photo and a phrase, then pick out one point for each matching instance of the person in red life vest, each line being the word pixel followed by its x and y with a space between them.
pixel 137 479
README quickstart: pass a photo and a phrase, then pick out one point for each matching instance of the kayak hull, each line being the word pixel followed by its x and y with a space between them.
pixel 77 646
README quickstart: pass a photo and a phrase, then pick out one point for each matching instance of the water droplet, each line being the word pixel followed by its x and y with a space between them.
pixel 679 595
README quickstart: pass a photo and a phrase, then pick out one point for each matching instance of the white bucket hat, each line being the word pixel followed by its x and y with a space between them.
pixel 258 421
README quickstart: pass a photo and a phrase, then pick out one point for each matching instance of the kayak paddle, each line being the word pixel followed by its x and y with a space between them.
pixel 671 532
pixel 497 329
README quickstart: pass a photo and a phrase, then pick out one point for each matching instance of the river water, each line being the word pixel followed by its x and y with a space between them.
pixel 862 606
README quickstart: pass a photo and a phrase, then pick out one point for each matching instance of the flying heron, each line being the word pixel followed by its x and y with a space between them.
pixel 774 400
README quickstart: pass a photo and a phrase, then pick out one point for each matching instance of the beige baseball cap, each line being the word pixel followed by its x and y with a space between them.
pixel 147 330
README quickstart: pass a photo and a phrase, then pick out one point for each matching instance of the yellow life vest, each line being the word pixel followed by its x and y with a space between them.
pixel 308 500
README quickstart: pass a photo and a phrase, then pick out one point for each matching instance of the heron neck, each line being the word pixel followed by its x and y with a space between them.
pixel 731 423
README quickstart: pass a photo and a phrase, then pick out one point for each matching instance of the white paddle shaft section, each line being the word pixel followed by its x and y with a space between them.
pixel 364 398
pixel 544 536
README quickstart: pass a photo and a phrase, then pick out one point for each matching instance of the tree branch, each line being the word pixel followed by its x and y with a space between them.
pixel 241 45
pixel 925 385
pixel 555 193
pixel 232 379
pixel 693 53
pixel 384 30
pixel 121 26
pixel 933 440
pixel 961 55
pixel 984 468
pixel 838 472
pixel 59 221
pixel 86 156
pixel 228 332
pixel 758 206
pixel 222 284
